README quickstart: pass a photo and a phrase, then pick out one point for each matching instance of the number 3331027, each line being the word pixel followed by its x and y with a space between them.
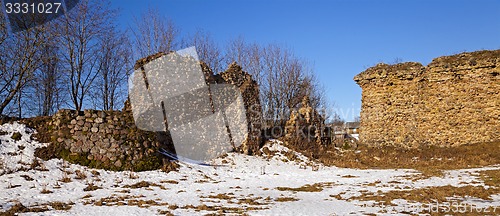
pixel 40 8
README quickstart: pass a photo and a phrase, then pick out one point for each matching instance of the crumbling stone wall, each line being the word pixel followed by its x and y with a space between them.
pixel 250 93
pixel 304 124
pixel 455 100
pixel 105 139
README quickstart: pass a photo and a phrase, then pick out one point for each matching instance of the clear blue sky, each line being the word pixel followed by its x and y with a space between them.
pixel 340 38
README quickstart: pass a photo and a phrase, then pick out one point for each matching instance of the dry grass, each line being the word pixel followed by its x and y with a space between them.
pixel 250 201
pixel 144 184
pixel 46 191
pixel 247 201
pixel 12 186
pixel 61 206
pixel 80 175
pixel 91 187
pixel 87 196
pixel 20 208
pixel 128 200
pixel 169 181
pixel 133 175
pixel 286 199
pixel 428 160
pixel 491 177
pixel 27 177
pixel 65 178
pixel 306 188
pixel 37 165
pixel 428 194
pixel 219 196
pixel 241 210
pixel 165 212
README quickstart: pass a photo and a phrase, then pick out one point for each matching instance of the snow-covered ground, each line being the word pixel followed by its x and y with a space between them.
pixel 263 185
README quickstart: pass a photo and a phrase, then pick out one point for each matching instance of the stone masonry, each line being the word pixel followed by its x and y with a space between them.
pixel 304 124
pixel 455 100
pixel 105 139
pixel 250 93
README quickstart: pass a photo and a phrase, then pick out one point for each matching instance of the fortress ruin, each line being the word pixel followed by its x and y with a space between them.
pixel 455 100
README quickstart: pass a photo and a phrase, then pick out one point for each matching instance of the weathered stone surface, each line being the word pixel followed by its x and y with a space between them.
pixel 250 92
pixel 455 100
pixel 118 164
pixel 305 123
pixel 105 141
pixel 110 139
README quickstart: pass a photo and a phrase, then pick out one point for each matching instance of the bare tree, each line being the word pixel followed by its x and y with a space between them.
pixel 19 59
pixel 285 83
pixel 249 56
pixel 284 78
pixel 153 33
pixel 237 50
pixel 79 41
pixel 114 65
pixel 208 51
pixel 48 84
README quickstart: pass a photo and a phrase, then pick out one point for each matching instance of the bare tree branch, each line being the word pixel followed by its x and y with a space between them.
pixel 153 33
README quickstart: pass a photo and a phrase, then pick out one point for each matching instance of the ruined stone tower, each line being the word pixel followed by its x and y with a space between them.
pixel 454 100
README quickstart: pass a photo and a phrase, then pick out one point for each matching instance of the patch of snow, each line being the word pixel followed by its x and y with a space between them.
pixel 15 155
pixel 251 184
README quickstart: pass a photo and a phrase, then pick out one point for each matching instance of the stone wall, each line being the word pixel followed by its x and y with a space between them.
pixel 250 92
pixel 249 89
pixel 105 139
pixel 111 140
pixel 304 124
pixel 455 100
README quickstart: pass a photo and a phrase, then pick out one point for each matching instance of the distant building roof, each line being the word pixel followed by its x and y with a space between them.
pixel 351 125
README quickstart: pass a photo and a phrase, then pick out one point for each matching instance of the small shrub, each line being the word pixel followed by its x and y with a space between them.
pixel 61 206
pixel 132 175
pixel 46 191
pixel 16 136
pixel 91 187
pixel 80 175
pixel 65 178
pixel 87 196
